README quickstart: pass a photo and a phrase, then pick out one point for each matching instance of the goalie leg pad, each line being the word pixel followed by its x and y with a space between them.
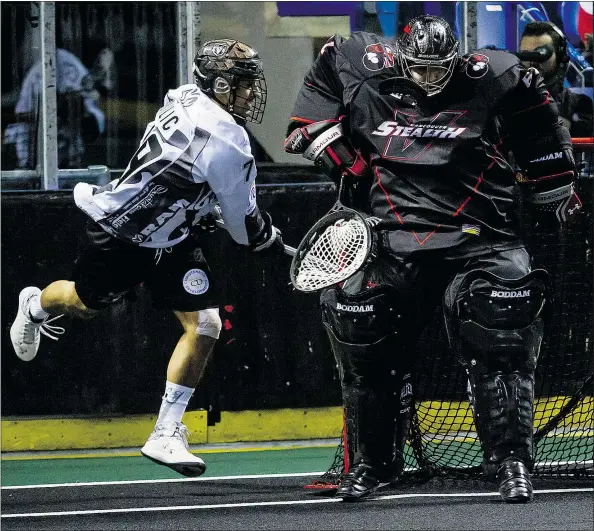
pixel 496 325
pixel 503 414
pixel 375 372
pixel 377 393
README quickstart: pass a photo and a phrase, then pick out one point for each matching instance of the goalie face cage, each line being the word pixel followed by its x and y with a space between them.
pixel 442 440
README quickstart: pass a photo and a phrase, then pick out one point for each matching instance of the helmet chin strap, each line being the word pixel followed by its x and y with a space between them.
pixel 229 105
pixel 223 104
pixel 223 94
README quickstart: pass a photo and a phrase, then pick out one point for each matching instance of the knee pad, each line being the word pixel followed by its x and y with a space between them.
pixel 367 317
pixel 497 324
pixel 370 333
pixel 209 323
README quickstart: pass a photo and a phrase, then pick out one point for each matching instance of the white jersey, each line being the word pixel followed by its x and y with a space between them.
pixel 192 156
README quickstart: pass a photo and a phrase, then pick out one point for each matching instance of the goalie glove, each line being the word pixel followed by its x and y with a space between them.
pixel 552 206
pixel 325 144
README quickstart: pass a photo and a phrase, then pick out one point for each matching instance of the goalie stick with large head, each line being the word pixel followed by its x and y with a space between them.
pixel 334 249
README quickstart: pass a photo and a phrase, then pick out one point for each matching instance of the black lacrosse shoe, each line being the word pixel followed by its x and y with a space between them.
pixel 514 481
pixel 360 481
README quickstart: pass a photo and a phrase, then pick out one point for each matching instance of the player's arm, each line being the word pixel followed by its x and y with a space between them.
pixel 316 128
pixel 230 170
pixel 542 147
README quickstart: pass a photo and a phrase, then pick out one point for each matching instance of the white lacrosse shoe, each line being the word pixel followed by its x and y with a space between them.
pixel 168 445
pixel 25 333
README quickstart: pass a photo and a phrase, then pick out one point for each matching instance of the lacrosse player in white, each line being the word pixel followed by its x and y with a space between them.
pixel 194 156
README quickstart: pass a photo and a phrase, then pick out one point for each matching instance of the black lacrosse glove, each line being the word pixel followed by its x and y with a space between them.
pixel 270 239
pixel 205 225
pixel 552 203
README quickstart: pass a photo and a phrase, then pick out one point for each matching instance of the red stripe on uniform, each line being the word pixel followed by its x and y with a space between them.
pixel 426 237
pixel 392 208
pixel 535 106
pixel 304 120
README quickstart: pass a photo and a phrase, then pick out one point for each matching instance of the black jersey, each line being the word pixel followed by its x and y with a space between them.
pixel 440 177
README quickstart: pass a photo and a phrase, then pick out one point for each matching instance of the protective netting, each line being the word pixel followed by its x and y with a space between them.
pixel 336 254
pixel 443 441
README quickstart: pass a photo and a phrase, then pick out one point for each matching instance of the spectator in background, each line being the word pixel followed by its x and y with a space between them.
pixel 575 109
pixel 80 120
pixel 587 52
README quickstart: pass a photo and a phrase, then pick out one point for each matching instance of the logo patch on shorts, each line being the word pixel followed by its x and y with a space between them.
pixel 196 282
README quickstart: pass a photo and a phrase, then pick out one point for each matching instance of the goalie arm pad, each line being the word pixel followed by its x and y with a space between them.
pixel 322 92
pixel 325 144
pixel 542 148
pixel 315 129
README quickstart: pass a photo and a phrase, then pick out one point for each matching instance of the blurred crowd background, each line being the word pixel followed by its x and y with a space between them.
pixel 116 60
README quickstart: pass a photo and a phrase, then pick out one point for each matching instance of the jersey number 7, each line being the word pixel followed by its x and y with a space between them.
pixel 149 152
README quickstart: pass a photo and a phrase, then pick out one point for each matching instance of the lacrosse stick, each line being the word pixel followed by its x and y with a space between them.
pixel 290 251
pixel 334 249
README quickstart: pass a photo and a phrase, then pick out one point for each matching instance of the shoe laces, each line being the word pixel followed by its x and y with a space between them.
pixel 47 329
pixel 178 431
pixel 31 329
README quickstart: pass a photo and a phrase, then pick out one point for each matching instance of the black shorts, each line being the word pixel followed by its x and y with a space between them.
pixel 178 278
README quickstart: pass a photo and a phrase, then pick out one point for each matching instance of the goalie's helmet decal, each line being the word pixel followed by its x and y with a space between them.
pixel 428 52
pixel 230 72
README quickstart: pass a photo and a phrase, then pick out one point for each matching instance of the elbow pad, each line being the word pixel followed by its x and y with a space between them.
pixel 547 171
pixel 547 154
pixel 324 143
pixel 548 188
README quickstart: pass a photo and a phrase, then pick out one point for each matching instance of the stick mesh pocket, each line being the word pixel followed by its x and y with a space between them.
pixel 335 254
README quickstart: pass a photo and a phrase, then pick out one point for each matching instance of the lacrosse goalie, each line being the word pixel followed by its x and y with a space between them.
pixel 425 134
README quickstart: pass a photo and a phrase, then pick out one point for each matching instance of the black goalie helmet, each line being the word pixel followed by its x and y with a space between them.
pixel 428 52
pixel 230 72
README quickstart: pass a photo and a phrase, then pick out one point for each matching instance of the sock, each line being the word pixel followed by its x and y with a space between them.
pixel 175 401
pixel 35 309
